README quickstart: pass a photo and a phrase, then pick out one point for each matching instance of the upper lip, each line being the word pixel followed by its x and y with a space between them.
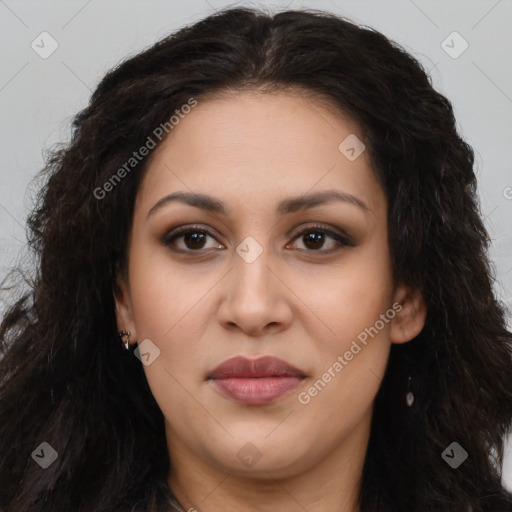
pixel 266 366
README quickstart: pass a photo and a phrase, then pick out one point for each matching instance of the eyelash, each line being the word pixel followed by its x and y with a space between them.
pixel 343 240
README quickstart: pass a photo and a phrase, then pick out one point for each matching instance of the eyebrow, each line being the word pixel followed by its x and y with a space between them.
pixel 285 207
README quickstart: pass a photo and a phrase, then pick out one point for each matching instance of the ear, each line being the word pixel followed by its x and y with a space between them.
pixel 123 306
pixel 410 318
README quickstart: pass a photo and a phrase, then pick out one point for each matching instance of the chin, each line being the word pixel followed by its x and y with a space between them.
pixel 264 458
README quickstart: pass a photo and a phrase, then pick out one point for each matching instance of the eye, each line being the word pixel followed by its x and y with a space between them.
pixel 194 239
pixel 314 239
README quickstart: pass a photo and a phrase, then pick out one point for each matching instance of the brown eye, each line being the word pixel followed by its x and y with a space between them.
pixel 314 239
pixel 194 239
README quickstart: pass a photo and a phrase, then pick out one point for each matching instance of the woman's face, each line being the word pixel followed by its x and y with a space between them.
pixel 246 282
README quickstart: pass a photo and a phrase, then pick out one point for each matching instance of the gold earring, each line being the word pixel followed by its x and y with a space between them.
pixel 125 334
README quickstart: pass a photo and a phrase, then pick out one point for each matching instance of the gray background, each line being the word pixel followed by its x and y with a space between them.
pixel 39 96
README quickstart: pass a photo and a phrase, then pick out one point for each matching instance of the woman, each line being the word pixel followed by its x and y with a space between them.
pixel 263 285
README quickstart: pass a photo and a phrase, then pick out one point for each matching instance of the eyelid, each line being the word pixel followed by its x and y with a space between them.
pixel 337 234
pixel 175 233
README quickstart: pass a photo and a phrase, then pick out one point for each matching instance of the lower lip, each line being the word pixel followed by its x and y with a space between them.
pixel 258 390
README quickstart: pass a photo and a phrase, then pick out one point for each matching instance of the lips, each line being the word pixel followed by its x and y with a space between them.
pixel 242 367
pixel 255 381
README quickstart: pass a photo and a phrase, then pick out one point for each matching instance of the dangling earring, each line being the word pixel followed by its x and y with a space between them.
pixel 125 334
pixel 409 397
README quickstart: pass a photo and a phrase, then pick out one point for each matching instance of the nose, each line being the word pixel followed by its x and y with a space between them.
pixel 255 299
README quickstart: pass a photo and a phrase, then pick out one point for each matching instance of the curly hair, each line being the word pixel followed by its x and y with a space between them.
pixel 64 377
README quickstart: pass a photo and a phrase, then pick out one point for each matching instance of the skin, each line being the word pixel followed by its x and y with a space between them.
pixel 250 151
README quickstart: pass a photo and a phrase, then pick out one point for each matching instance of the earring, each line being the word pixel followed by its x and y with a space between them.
pixel 125 334
pixel 409 397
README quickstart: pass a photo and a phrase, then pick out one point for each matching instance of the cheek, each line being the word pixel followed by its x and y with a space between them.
pixel 350 301
pixel 166 296
pixel 352 354
pixel 173 308
pixel 167 305
pixel 349 297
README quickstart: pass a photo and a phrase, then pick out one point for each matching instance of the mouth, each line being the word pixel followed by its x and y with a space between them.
pixel 255 381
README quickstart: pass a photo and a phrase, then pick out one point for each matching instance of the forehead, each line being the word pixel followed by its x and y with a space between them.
pixel 252 148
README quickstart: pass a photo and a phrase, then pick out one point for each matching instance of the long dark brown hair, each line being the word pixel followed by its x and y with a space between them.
pixel 65 378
